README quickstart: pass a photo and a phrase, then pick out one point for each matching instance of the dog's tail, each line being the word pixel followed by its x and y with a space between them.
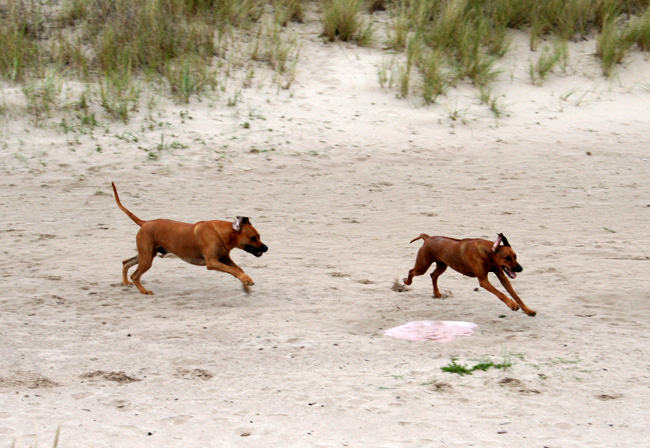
pixel 422 236
pixel 135 219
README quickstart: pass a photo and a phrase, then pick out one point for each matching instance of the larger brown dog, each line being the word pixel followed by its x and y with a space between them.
pixel 206 243
pixel 471 257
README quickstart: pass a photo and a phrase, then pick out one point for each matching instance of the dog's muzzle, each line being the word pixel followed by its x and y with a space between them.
pixel 512 272
pixel 257 251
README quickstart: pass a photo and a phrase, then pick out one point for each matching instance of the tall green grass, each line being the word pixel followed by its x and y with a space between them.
pixel 120 46
pixel 469 36
pixel 192 46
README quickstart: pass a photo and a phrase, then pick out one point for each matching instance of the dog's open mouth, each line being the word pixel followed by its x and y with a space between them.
pixel 257 251
pixel 509 272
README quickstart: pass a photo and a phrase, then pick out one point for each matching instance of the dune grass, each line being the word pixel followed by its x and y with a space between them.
pixel 446 42
pixel 123 48
pixel 549 58
pixel 343 20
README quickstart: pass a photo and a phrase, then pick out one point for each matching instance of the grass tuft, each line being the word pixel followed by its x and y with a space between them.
pixel 118 95
pixel 548 59
pixel 612 45
pixel 188 77
pixel 285 11
pixel 341 20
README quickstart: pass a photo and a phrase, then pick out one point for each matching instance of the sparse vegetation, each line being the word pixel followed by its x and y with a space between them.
pixel 470 36
pixel 483 365
pixel 121 48
pixel 548 60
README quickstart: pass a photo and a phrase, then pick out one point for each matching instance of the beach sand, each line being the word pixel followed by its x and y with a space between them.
pixel 338 175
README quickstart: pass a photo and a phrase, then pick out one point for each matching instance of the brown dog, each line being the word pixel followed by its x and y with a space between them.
pixel 471 257
pixel 206 243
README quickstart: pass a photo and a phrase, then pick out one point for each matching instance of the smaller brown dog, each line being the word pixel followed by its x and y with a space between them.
pixel 206 243
pixel 471 257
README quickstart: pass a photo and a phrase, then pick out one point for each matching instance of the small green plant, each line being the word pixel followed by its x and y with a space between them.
pixel 547 61
pixel 188 78
pixel 495 103
pixel 404 80
pixel 382 72
pixel 454 367
pixel 455 114
pixel 463 369
pixel 236 98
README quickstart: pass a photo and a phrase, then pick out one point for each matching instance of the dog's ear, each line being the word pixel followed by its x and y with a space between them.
pixel 239 223
pixel 496 244
pixel 500 239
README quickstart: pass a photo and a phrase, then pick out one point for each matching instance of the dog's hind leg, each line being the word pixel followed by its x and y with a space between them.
pixel 146 253
pixel 438 271
pixel 422 264
pixel 144 264
pixel 126 265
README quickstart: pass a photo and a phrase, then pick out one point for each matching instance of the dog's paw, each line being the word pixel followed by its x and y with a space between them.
pixel 513 306
pixel 246 280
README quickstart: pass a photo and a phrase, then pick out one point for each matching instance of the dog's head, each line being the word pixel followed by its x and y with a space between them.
pixel 505 258
pixel 248 238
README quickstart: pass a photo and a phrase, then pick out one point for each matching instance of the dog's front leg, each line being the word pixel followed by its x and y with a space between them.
pixel 506 284
pixel 484 282
pixel 231 268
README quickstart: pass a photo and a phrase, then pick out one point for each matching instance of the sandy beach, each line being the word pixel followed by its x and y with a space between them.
pixel 337 175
